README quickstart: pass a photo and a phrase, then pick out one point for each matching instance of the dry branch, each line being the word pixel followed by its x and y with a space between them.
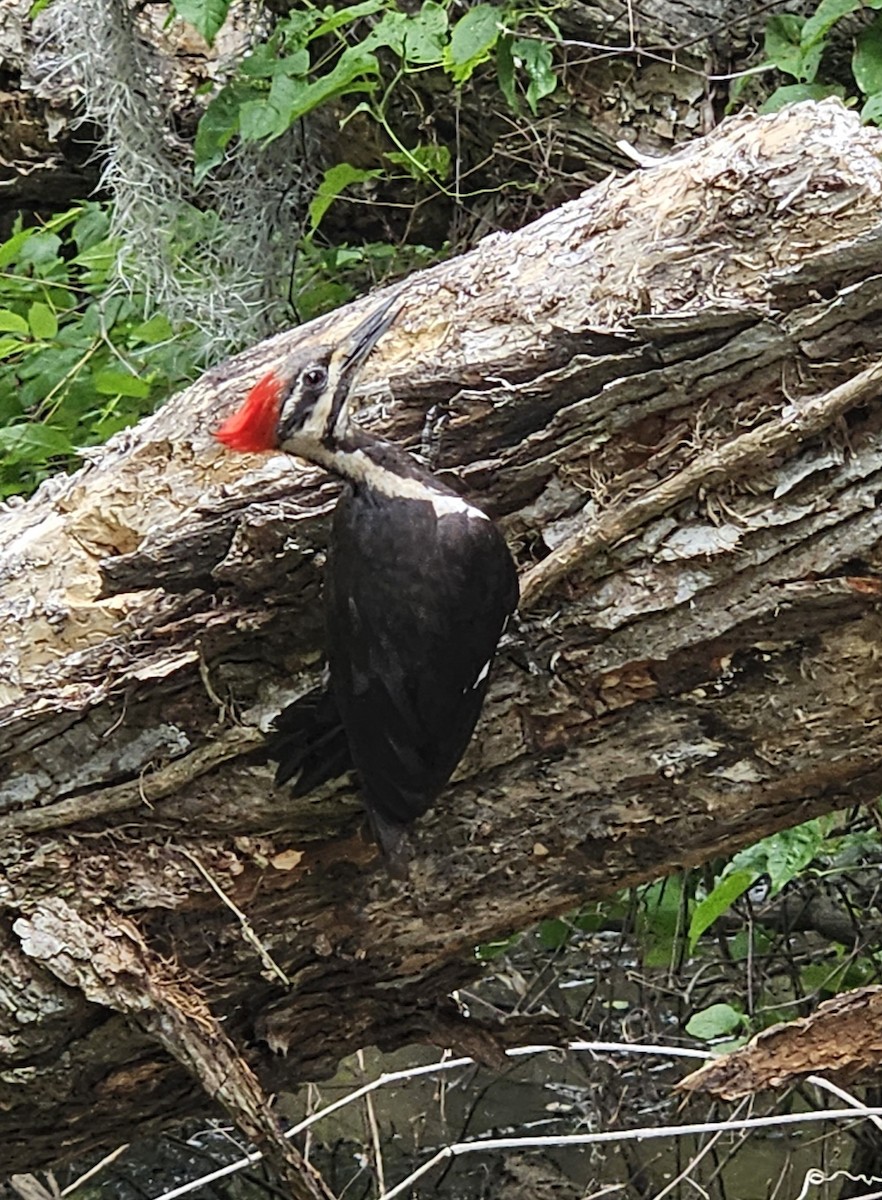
pixel 840 1041
pixel 666 391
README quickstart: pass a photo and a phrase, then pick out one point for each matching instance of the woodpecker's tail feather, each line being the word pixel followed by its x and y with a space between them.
pixel 310 746
pixel 309 742
pixel 393 842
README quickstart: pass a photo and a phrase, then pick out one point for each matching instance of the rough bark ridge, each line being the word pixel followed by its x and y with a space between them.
pixel 840 1040
pixel 667 393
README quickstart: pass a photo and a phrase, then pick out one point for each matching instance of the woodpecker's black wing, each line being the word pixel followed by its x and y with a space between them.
pixel 418 590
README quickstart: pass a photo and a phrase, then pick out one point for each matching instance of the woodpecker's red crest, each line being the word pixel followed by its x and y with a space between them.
pixel 254 426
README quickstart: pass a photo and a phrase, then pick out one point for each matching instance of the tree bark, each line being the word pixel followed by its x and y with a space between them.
pixel 667 393
pixel 839 1041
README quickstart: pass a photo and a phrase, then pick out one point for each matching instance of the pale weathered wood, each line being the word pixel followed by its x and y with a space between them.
pixel 666 392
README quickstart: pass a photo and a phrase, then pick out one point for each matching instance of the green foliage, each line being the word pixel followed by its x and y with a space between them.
pixel 715 1021
pixel 660 920
pixel 334 181
pixel 554 933
pixel 206 15
pixel 720 900
pixel 472 39
pixel 837 973
pixel 491 950
pixel 330 276
pixel 81 357
pixel 795 46
pixel 785 855
pixel 78 360
pixel 315 55
pixel 781 857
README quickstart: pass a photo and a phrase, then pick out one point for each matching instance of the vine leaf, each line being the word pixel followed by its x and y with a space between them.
pixel 334 181
pixel 205 15
pixel 474 36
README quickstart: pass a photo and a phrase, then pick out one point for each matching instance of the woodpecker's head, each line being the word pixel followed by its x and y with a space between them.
pixel 304 402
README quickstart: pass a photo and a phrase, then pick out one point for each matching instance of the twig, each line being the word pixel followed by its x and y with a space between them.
pixel 788 429
pixel 820 1082
pixel 447 1064
pixel 157 786
pixel 248 933
pixel 99 1166
pixel 694 1161
pixel 374 1129
pixel 645 1133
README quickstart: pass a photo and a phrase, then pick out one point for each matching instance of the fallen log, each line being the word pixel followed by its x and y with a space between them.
pixel 666 392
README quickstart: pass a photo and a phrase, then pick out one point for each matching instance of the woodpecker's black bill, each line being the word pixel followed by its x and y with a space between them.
pixel 255 426
pixel 363 339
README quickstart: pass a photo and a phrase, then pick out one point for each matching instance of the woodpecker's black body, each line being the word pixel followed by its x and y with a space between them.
pixel 418 589
pixel 416 601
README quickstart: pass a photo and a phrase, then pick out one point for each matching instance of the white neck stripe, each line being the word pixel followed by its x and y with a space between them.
pixel 360 468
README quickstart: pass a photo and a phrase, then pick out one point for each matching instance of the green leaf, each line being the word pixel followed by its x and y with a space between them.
pixel 663 904
pixel 296 64
pixel 425 35
pixel 205 15
pixel 267 117
pixel 11 322
pixel 267 61
pixel 345 16
pixel 91 228
pixel 788 51
pixel 334 181
pixel 783 42
pixel 99 259
pixel 783 856
pixel 793 93
pixel 291 99
pixel 34 443
pixel 490 950
pixel 871 113
pixel 118 383
pixel 822 977
pixel 825 16
pixel 553 933
pixel 9 346
pixel 720 900
pixel 505 72
pixel 349 75
pixel 418 40
pixel 157 329
pixel 40 250
pixel 43 321
pixel 715 1021
pixel 388 31
pixel 866 62
pixel 425 161
pixel 474 36
pixel 660 920
pixel 536 59
pixel 11 248
pixel 218 124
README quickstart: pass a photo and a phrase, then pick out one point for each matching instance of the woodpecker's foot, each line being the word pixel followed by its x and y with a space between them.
pixel 430 439
pixel 515 643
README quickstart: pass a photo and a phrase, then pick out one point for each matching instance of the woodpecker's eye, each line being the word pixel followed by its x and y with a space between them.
pixel 315 378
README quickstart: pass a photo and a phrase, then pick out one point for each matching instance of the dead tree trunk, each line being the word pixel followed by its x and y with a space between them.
pixel 667 392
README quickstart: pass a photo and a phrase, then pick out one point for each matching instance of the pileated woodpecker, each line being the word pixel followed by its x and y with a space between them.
pixel 418 589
